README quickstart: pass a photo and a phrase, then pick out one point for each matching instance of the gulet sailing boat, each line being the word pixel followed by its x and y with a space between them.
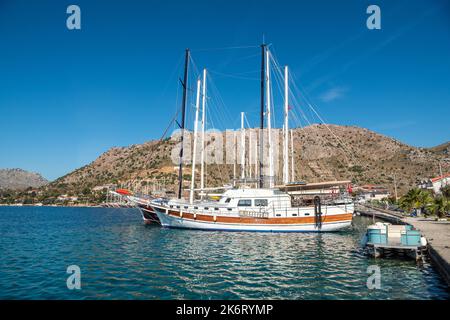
pixel 243 208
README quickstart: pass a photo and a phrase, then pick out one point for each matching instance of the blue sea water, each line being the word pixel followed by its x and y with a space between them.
pixel 121 258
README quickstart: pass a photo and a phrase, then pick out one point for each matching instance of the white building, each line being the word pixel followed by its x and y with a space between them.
pixel 372 192
pixel 440 182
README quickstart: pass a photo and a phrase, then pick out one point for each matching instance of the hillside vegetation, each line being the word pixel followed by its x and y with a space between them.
pixel 322 153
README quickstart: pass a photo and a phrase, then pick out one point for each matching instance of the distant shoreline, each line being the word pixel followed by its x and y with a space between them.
pixel 51 206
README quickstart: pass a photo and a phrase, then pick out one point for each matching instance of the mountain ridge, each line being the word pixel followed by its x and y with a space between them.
pixel 18 179
pixel 322 152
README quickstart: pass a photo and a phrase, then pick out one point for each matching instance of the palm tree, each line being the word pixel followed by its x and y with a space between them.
pixel 409 200
pixel 440 206
pixel 416 199
pixel 425 200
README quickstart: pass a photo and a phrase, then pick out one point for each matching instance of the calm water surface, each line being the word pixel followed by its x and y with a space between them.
pixel 120 258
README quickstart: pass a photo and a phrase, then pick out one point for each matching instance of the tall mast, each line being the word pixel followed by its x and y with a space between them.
pixel 202 174
pixel 261 127
pixel 256 157
pixel 183 117
pixel 234 158
pixel 292 156
pixel 250 136
pixel 194 150
pixel 242 147
pixel 269 121
pixel 286 127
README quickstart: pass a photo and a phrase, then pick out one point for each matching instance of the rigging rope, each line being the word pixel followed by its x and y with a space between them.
pixel 236 76
pixel 309 104
pixel 225 48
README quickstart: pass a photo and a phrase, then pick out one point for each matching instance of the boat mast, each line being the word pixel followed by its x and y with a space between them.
pixel 194 150
pixel 286 127
pixel 234 158
pixel 249 170
pixel 242 147
pixel 183 116
pixel 256 160
pixel 202 174
pixel 269 122
pixel 261 127
pixel 292 156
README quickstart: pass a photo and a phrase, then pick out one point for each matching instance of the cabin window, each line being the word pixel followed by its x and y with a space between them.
pixel 278 215
pixel 306 214
pixel 206 208
pixel 228 200
pixel 294 214
pixel 245 203
pixel 216 209
pixel 171 206
pixel 196 208
pixel 229 209
pixel 185 207
pixel 261 202
pixel 178 207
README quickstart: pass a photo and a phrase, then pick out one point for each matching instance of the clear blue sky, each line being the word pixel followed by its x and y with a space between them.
pixel 67 96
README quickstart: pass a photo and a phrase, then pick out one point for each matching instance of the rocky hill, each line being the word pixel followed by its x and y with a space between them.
pixel 442 149
pixel 18 179
pixel 322 152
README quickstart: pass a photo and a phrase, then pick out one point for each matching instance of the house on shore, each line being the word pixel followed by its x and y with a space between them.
pixel 371 192
pixel 435 184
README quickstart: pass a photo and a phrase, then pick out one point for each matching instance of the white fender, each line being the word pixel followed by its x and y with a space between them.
pixel 423 241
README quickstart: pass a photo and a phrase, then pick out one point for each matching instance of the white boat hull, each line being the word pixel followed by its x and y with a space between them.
pixel 180 222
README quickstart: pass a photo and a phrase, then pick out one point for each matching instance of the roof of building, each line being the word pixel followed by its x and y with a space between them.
pixel 440 177
pixel 372 187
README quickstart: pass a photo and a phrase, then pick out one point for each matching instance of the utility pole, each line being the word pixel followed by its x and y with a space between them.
pixel 395 188
pixel 441 174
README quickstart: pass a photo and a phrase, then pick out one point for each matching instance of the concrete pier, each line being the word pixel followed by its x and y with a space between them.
pixel 385 215
pixel 438 237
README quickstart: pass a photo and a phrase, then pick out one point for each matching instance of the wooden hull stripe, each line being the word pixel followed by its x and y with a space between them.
pixel 250 220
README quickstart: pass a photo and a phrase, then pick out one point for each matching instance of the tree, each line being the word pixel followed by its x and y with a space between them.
pixel 440 206
pixel 28 201
pixel 425 199
pixel 409 200
pixel 446 191
pixel 391 201
pixel 416 199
